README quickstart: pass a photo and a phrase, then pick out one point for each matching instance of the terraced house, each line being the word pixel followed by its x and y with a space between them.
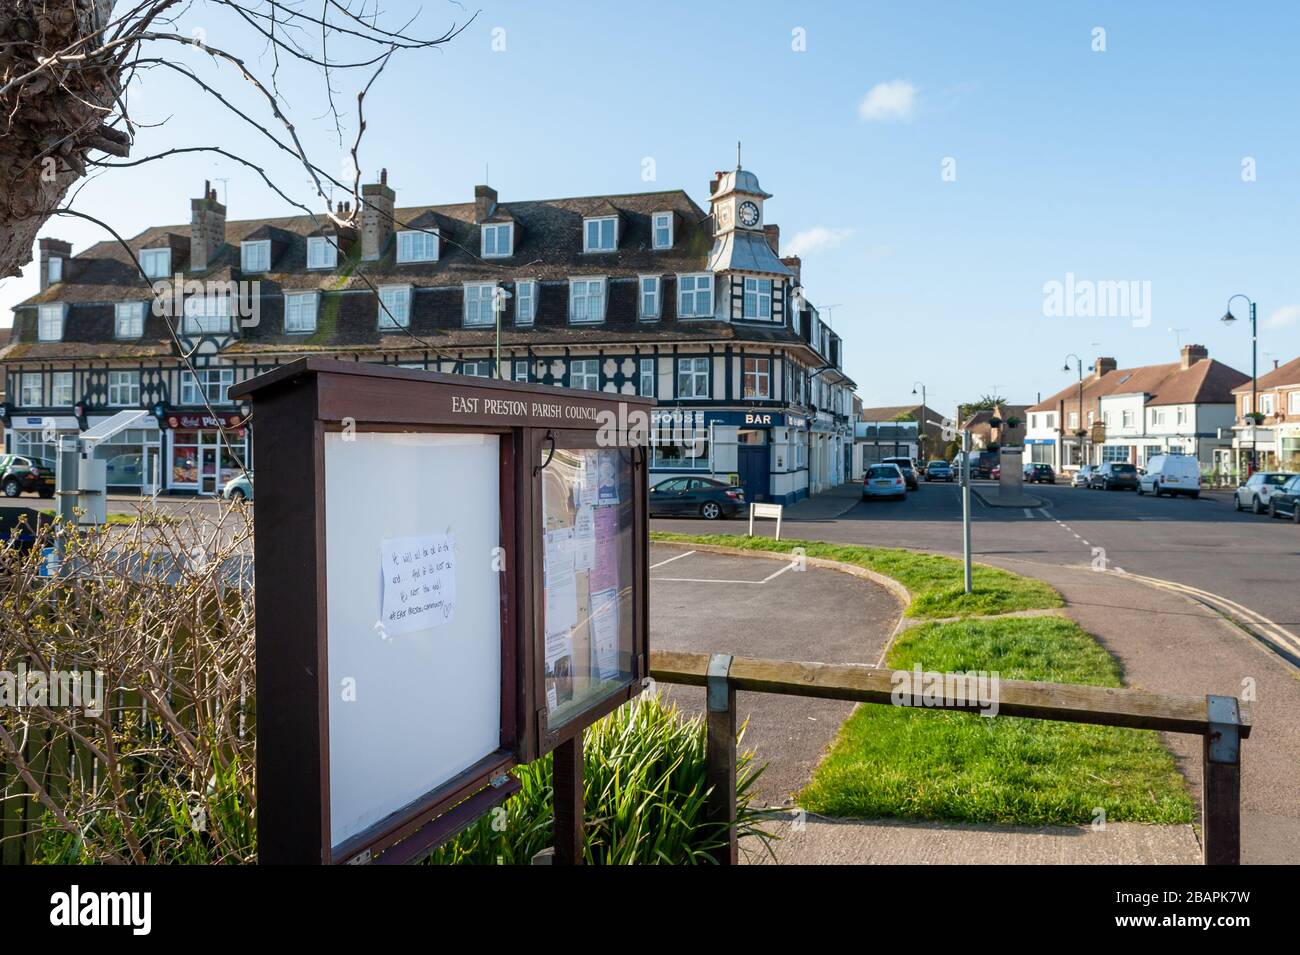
pixel 631 294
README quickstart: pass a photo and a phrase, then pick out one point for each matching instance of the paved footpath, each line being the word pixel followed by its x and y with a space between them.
pixel 1143 627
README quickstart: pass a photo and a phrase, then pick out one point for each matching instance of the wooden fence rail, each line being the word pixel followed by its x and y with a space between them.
pixel 1220 720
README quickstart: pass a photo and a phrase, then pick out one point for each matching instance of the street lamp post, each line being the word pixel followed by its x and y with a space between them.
pixel 1228 319
pixel 920 436
pixel 1083 459
pixel 965 499
pixel 499 297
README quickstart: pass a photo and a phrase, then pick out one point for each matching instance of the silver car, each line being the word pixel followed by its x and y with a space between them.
pixel 884 480
pixel 1255 493
pixel 1083 476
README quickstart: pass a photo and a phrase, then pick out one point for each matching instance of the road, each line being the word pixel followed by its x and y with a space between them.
pixel 1203 543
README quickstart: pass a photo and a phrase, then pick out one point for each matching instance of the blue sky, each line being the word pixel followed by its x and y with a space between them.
pixel 1120 165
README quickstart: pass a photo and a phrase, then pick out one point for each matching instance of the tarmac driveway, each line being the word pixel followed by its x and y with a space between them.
pixel 755 607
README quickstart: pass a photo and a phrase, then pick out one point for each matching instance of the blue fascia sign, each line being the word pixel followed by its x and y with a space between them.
pixel 1040 441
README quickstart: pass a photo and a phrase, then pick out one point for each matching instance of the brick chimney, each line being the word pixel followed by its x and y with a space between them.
pixel 207 228
pixel 795 265
pixel 1103 366
pixel 485 202
pixel 773 235
pixel 376 216
pixel 53 249
pixel 1191 354
pixel 717 178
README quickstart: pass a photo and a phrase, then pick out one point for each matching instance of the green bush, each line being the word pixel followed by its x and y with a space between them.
pixel 645 792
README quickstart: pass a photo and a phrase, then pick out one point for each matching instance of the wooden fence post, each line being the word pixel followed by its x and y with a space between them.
pixel 1221 796
pixel 721 756
pixel 566 768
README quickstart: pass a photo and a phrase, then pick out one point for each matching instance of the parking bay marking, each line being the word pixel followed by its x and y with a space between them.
pixel 716 580
pixel 671 559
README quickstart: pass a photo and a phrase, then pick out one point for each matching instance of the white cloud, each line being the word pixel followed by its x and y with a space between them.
pixel 893 100
pixel 1284 317
pixel 816 239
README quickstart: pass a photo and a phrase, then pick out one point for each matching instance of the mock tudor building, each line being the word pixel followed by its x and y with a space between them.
pixel 629 294
pixel 1132 414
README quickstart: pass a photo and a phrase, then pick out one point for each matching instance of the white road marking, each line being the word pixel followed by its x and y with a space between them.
pixel 671 559
pixel 1028 512
pixel 773 576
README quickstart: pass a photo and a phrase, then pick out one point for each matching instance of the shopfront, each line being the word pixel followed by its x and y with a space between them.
pixel 38 437
pixel 133 457
pixel 201 457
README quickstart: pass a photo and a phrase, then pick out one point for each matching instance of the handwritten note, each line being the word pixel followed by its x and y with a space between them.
pixel 419 583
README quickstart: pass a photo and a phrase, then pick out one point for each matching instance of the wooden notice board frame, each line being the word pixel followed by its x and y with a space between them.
pixel 294 407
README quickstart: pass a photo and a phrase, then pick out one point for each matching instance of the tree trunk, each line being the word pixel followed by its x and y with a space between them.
pixel 51 113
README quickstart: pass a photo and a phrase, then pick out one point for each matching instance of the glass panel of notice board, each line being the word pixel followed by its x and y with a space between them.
pixel 588 566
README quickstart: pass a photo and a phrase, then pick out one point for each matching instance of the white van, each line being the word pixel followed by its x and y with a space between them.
pixel 1171 474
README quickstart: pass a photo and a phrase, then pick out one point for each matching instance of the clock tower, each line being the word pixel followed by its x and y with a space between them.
pixel 741 250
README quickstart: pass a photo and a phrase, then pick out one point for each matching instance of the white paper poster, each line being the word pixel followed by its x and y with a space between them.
pixel 584 539
pixel 584 491
pixel 418 580
pixel 604 630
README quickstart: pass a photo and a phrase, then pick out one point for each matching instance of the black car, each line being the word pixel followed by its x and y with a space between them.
pixel 704 497
pixel 908 468
pixel 1285 501
pixel 1114 477
pixel 1039 474
pixel 19 474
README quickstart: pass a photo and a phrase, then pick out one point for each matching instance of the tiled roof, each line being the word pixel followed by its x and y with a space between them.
pixel 1281 377
pixel 887 413
pixel 1206 382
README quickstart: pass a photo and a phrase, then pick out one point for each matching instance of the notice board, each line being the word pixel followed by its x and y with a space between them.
pixel 414 629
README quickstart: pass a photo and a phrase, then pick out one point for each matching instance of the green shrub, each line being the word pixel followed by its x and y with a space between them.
pixel 645 792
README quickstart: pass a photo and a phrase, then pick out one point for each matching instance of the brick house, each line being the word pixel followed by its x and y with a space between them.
pixel 1276 437
pixel 1132 414
pixel 634 294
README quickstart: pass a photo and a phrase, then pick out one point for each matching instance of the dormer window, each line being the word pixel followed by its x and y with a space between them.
pixel 758 299
pixel 49 324
pixel 394 306
pixel 157 263
pixel 417 245
pixel 601 235
pixel 300 311
pixel 322 253
pixel 480 299
pixel 207 315
pixel 663 230
pixel 55 266
pixel 649 297
pixel 586 300
pixel 498 240
pixel 525 302
pixel 128 319
pixel 695 295
pixel 255 256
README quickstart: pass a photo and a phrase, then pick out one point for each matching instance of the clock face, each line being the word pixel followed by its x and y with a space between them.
pixel 748 214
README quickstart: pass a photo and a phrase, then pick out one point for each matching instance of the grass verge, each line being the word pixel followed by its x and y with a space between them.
pixel 935 582
pixel 893 762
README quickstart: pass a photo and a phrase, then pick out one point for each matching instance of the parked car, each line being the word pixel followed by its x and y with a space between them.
pixel 1039 474
pixel 22 474
pixel 884 480
pixel 239 488
pixel 1083 476
pixel 1114 476
pixel 1171 474
pixel 908 468
pixel 939 471
pixel 125 469
pixel 1285 501
pixel 705 497
pixel 1257 491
